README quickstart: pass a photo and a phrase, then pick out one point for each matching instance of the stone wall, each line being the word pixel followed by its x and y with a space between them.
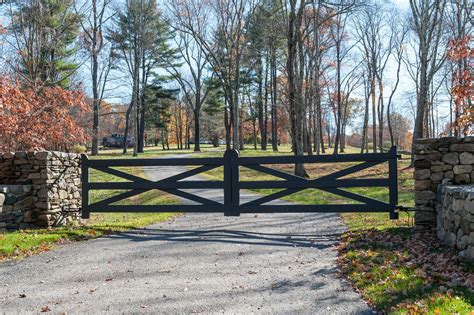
pixel 440 161
pixel 15 201
pixel 39 189
pixel 455 218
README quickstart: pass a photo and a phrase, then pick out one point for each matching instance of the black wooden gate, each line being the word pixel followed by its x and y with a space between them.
pixel 232 185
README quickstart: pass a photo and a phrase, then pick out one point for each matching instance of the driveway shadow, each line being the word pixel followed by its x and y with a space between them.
pixel 318 241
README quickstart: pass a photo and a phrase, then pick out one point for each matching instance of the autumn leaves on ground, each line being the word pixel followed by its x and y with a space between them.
pixel 394 268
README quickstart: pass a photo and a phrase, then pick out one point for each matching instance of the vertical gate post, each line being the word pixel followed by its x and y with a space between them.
pixel 231 183
pixel 393 175
pixel 85 186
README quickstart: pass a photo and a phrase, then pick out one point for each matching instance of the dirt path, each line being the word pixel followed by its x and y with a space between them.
pixel 196 263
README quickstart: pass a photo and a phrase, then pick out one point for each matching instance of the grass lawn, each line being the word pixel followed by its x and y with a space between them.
pixel 394 268
pixel 20 244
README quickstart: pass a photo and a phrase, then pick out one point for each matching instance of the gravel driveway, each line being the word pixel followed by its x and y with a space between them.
pixel 195 263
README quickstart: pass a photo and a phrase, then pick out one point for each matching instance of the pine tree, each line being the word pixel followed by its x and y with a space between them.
pixel 45 33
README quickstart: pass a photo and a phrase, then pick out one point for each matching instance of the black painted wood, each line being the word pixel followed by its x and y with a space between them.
pixel 231 185
pixel 85 186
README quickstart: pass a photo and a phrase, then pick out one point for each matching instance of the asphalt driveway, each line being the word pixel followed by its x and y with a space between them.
pixel 194 263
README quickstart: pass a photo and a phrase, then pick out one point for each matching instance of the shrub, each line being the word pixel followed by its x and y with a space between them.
pixel 78 148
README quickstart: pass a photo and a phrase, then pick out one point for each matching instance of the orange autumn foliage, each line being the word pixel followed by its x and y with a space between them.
pixel 462 90
pixel 39 117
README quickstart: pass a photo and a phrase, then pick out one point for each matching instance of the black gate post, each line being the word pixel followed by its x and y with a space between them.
pixel 393 175
pixel 231 183
pixel 85 186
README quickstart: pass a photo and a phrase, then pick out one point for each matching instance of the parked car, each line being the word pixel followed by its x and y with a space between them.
pixel 116 141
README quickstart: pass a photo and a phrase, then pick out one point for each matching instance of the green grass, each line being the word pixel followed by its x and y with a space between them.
pixel 19 244
pixel 395 278
pixel 24 243
pixel 379 271
pixel 314 196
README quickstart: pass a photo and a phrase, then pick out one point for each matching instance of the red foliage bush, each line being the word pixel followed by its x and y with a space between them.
pixel 39 117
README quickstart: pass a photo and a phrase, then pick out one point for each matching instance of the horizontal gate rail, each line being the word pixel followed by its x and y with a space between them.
pixel 232 184
pixel 147 185
pixel 313 159
pixel 156 162
pixel 344 208
pixel 303 184
pixel 137 185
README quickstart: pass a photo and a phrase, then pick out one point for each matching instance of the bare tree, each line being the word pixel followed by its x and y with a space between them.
pixel 221 41
pixel 140 39
pixel 398 47
pixel 428 25
pixel 195 64
pixel 93 23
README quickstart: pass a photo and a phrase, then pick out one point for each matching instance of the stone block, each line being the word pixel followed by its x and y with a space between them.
pixel 419 164
pixel 437 177
pixel 425 218
pixel 462 169
pixel 422 174
pixel 34 176
pixel 435 156
pixel 441 168
pixel 20 154
pixel 42 155
pixel 449 175
pixel 10 199
pixel 464 242
pixel 28 216
pixel 466 158
pixel 422 184
pixel 462 179
pixel 451 158
pixel 63 194
pixel 462 147
pixel 469 254
pixel 469 206
pixel 425 195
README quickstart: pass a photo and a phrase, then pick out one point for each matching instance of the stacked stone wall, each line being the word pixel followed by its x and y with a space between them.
pixel 442 161
pixel 455 218
pixel 39 189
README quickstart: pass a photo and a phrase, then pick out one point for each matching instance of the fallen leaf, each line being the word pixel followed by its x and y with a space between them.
pixel 45 309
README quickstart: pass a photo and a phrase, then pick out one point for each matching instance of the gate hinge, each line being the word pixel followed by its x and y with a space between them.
pixel 405 209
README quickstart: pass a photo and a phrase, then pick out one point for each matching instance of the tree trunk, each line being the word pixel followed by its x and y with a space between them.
pixel 273 76
pixel 197 131
pixel 227 126
pixel 127 127
pixel 95 106
pixel 364 142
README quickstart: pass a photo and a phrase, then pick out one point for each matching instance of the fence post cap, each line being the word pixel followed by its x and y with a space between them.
pixel 231 153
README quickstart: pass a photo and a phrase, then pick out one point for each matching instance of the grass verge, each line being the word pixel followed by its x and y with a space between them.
pixel 400 271
pixel 20 244
pixel 395 269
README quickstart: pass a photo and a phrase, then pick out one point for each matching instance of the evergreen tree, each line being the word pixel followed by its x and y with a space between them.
pixel 140 37
pixel 45 35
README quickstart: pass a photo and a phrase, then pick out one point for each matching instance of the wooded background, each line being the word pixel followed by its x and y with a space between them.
pixel 319 75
